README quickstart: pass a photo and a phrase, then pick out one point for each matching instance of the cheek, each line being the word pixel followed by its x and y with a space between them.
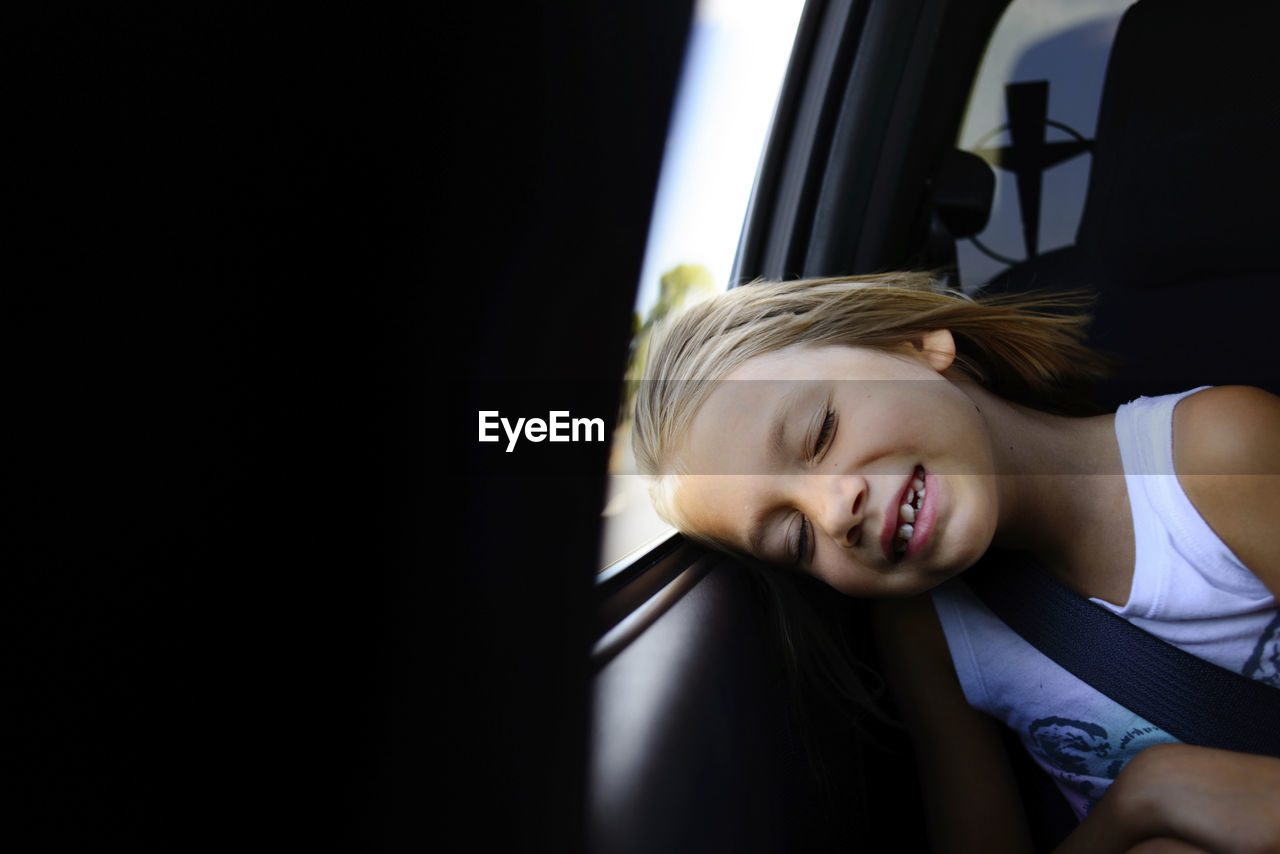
pixel 977 512
pixel 939 420
pixel 871 432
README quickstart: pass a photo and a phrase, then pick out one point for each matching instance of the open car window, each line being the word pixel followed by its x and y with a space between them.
pixel 733 68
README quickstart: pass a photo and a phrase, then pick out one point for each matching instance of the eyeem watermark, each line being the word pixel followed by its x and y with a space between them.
pixel 558 427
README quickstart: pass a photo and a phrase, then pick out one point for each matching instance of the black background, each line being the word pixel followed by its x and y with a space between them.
pixel 253 252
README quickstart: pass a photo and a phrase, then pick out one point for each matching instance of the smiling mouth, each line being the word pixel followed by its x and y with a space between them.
pixel 908 511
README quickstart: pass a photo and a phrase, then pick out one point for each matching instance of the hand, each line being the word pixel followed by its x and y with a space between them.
pixel 1180 799
pixel 1218 800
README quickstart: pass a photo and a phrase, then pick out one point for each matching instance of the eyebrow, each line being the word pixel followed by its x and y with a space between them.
pixel 777 433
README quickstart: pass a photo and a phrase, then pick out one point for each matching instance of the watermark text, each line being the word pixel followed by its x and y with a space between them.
pixel 558 427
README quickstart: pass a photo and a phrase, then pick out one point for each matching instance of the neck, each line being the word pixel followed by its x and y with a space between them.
pixel 1061 490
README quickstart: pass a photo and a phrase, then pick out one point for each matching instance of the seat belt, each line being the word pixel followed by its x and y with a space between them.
pixel 1195 701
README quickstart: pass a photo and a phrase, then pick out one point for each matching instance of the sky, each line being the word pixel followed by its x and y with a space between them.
pixel 737 55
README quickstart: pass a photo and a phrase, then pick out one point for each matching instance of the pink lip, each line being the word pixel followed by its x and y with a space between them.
pixel 891 519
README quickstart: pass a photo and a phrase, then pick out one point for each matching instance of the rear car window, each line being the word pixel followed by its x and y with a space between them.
pixel 1051 49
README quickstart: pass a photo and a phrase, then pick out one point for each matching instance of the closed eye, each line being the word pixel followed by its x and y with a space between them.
pixel 824 435
pixel 800 547
pixel 804 536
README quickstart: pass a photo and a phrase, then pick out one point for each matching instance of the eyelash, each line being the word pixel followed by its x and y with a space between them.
pixel 824 438
pixel 802 543
pixel 824 435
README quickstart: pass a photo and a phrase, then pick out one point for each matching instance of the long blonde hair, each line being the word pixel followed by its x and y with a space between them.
pixel 1025 347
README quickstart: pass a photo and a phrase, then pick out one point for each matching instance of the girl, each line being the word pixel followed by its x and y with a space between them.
pixel 881 433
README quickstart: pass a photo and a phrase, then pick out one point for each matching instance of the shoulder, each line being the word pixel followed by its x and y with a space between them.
pixel 1227 430
pixel 1226 451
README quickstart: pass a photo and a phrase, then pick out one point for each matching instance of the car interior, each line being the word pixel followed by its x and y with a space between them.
pixel 267 267
pixel 862 174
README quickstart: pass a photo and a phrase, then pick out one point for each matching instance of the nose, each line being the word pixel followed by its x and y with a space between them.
pixel 843 500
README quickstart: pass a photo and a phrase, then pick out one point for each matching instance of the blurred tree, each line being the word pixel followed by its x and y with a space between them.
pixel 682 285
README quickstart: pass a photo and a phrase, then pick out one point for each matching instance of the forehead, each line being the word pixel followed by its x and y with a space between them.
pixel 736 424
pixel 801 362
pixel 742 418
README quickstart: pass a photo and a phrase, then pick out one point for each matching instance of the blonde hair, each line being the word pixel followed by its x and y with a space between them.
pixel 1025 347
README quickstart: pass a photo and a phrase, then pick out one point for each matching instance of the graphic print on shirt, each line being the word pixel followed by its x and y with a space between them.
pixel 1264 664
pixel 1082 755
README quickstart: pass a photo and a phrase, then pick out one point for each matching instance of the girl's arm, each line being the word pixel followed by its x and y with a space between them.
pixel 1170 799
pixel 970 794
pixel 1226 449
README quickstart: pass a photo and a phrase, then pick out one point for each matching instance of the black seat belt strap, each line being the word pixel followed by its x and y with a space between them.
pixel 1193 700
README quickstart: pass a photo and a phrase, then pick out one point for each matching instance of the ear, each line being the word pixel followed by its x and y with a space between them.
pixel 936 347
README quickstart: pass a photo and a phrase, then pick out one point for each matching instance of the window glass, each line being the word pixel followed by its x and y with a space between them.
pixel 733 68
pixel 1060 47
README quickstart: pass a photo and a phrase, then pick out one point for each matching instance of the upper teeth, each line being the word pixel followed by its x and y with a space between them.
pixel 907 517
pixel 907 512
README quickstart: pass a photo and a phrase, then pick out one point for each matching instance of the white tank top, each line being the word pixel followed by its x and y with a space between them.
pixel 1188 589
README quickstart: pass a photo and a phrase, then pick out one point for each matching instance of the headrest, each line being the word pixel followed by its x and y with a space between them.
pixel 1186 170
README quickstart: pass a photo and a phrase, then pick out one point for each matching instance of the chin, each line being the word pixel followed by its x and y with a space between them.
pixel 973 536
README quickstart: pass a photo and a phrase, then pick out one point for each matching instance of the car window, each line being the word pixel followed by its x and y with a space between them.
pixel 733 68
pixel 1054 50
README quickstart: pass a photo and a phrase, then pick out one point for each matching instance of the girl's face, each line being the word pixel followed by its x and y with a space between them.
pixel 806 456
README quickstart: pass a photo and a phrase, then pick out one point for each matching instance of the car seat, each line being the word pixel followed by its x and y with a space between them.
pixel 1176 230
